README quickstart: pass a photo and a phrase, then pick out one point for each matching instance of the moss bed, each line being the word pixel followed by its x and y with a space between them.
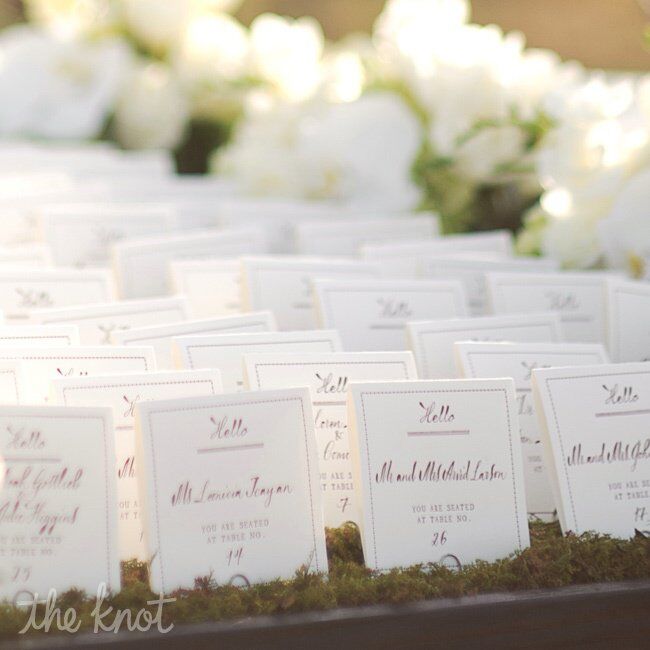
pixel 552 560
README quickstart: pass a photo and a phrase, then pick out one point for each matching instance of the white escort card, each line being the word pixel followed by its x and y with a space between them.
pixel 518 360
pixel 283 285
pixel 42 364
pixel 439 469
pixel 121 393
pixel 239 499
pixel 160 336
pixel 628 314
pixel 13 386
pixel 212 287
pixel 58 514
pixel 23 290
pixel 36 335
pixel 595 425
pixel 142 265
pixel 97 322
pixel 472 269
pixel 225 352
pixel 32 254
pixel 346 236
pixel 433 341
pixel 405 257
pixel 372 314
pixel 328 377
pixel 94 227
pixel 579 298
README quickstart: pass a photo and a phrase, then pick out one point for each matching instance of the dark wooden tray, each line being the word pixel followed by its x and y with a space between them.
pixel 615 615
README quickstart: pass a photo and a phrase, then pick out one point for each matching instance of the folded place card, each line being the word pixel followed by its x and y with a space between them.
pixel 42 364
pixel 13 385
pixel 439 468
pixel 94 227
pixel 23 290
pixel 579 299
pixel 142 265
pixel 160 336
pixel 230 487
pixel 212 287
pixel 346 236
pixel 97 322
pixel 283 285
pixel 471 271
pixel 32 254
pixel 37 335
pixel 121 393
pixel 406 257
pixel 433 341
pixel 328 376
pixel 225 352
pixel 58 504
pixel 628 314
pixel 372 314
pixel 595 424
pixel 518 360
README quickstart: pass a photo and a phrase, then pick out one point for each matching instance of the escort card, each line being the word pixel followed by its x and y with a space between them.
pixel 93 227
pixel 439 469
pixel 471 270
pixel 628 312
pixel 579 298
pixel 328 377
pixel 160 336
pixel 58 515
pixel 595 434
pixel 345 236
pixel 32 254
pixel 42 364
pixel 36 335
pixel 518 360
pixel 225 352
pixel 142 265
pixel 212 287
pixel 283 285
pixel 239 499
pixel 13 386
pixel 22 290
pixel 372 314
pixel 97 322
pixel 433 341
pixel 406 256
pixel 121 393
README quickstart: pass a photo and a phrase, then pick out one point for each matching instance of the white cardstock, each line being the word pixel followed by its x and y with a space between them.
pixel 595 424
pixel 628 315
pixel 13 385
pixel 160 337
pixel 239 499
pixel 518 360
pixel 579 299
pixel 225 352
pixel 433 341
pixel 97 322
pixel 284 285
pixel 42 364
pixel 372 314
pixel 122 393
pixel 58 503
pixel 36 335
pixel 439 468
pixel 328 377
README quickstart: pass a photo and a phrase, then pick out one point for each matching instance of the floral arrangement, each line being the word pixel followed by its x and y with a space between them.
pixel 428 111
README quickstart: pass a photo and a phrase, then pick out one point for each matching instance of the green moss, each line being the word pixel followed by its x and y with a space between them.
pixel 552 560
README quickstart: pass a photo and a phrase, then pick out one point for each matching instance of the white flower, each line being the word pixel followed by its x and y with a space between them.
pixel 287 54
pixel 157 24
pixel 58 88
pixel 74 17
pixel 359 152
pixel 152 112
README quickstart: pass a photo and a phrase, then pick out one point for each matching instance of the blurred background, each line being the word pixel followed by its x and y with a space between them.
pixel 599 33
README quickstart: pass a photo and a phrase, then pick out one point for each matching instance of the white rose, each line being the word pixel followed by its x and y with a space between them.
pixel 73 17
pixel 152 112
pixel 157 24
